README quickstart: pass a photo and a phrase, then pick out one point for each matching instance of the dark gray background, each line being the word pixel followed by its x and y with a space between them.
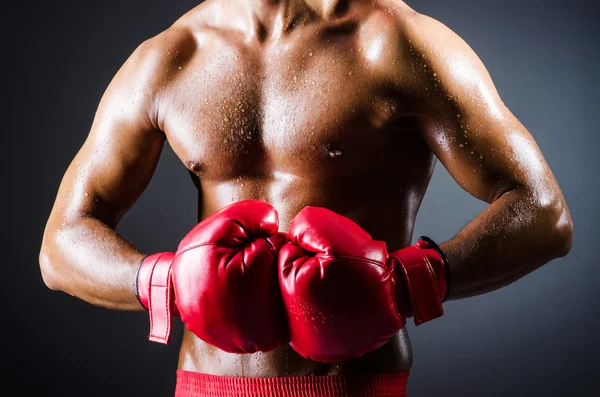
pixel 536 337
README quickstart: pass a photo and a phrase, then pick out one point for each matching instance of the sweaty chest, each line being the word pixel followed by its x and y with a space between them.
pixel 306 113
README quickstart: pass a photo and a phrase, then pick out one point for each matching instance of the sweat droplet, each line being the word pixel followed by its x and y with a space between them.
pixel 310 54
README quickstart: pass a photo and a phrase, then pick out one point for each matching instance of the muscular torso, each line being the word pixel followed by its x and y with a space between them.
pixel 343 104
pixel 309 119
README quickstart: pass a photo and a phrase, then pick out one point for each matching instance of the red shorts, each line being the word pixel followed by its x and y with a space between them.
pixel 192 384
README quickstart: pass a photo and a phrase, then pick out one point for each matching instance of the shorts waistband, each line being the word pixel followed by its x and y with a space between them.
pixel 193 384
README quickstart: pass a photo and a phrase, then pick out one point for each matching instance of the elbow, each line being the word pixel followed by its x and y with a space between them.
pixel 564 235
pixel 560 228
pixel 50 274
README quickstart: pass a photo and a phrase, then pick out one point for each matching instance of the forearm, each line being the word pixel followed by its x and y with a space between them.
pixel 88 259
pixel 514 236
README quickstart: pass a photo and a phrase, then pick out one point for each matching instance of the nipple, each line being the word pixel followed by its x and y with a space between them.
pixel 334 151
pixel 196 167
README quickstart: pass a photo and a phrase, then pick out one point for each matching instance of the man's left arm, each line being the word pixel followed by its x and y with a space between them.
pixel 492 156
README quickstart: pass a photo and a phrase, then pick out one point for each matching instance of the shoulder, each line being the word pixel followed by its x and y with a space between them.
pixel 160 55
pixel 431 44
pixel 394 35
pixel 425 54
pixel 135 90
pixel 408 25
pixel 163 56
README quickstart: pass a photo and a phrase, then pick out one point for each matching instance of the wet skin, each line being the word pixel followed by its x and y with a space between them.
pixel 340 104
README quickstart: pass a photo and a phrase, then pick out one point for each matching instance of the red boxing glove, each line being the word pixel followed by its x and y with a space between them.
pixel 224 281
pixel 344 295
pixel 337 288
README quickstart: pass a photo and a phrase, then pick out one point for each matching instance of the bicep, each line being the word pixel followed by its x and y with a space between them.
pixel 119 156
pixel 466 124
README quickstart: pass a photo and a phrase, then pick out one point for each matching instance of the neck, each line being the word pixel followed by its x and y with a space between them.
pixel 278 17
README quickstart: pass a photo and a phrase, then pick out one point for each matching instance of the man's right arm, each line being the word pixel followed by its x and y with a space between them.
pixel 81 253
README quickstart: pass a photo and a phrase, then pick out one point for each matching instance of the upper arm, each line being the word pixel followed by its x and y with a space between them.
pixel 463 119
pixel 119 156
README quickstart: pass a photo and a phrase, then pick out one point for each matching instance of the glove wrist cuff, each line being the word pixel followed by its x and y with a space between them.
pixel 154 290
pixel 136 284
pixel 421 280
pixel 433 245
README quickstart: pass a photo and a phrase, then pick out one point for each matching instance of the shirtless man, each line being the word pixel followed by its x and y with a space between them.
pixel 338 104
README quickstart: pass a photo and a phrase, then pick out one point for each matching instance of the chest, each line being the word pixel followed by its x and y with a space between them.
pixel 304 110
